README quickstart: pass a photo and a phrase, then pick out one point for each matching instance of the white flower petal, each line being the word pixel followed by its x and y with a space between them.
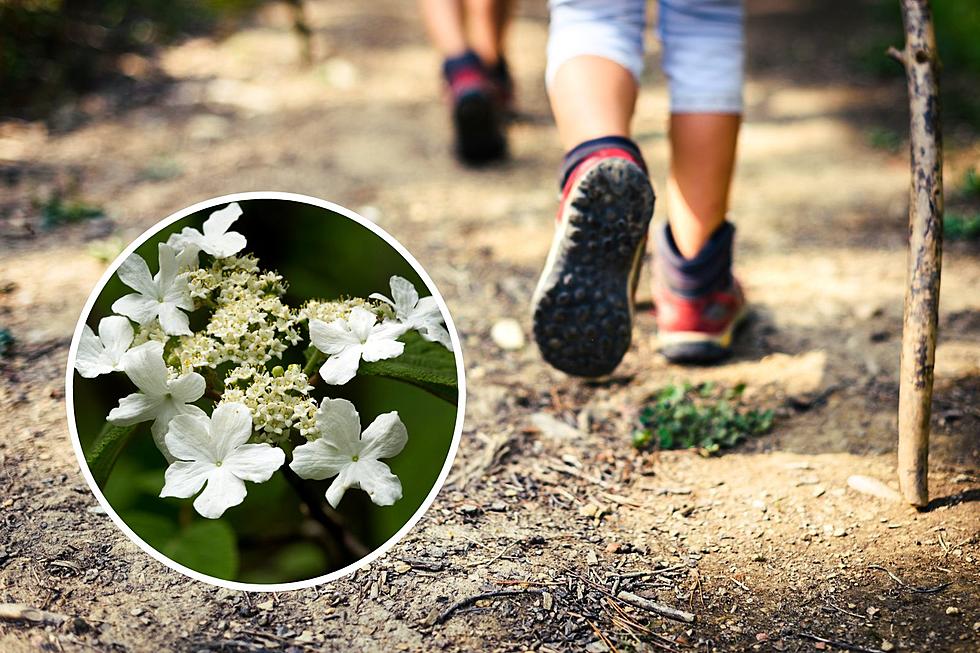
pixel 168 267
pixel 360 322
pixel 135 273
pixel 318 460
pixel 341 368
pixel 345 480
pixel 189 438
pixel 187 387
pixel 381 298
pixel 91 360
pixel 331 338
pixel 339 424
pixel 187 259
pixel 173 320
pixel 379 349
pixel 254 462
pixel 219 221
pixel 375 478
pixel 437 333
pixel 384 438
pixel 116 334
pixel 179 294
pixel 225 245
pixel 139 308
pixel 223 491
pixel 231 426
pixel 145 367
pixel 185 479
pixel 404 294
pixel 135 408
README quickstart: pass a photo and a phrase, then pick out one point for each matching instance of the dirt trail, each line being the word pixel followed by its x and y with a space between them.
pixel 766 545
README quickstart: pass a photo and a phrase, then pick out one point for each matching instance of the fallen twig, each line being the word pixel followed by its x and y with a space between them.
pixel 847 646
pixel 23 612
pixel 912 588
pixel 470 600
pixel 655 607
pixel 571 471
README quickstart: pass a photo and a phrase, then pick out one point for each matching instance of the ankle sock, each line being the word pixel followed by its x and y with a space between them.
pixel 710 269
pixel 583 150
pixel 454 66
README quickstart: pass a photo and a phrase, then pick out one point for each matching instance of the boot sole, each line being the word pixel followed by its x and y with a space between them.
pixel 583 305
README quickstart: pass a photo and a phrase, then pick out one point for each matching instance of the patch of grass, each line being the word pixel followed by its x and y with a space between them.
pixel 57 211
pixel 971 184
pixel 6 340
pixel 961 227
pixel 705 417
pixel 881 138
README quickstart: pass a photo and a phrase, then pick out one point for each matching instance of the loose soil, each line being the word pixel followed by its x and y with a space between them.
pixel 766 545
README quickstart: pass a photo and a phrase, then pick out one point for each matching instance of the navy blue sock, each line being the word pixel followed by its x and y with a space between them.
pixel 454 65
pixel 710 269
pixel 582 151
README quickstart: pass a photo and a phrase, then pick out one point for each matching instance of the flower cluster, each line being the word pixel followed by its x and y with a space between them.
pixel 223 401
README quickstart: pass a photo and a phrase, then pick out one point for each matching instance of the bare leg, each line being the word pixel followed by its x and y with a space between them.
pixel 486 27
pixel 444 21
pixel 592 97
pixel 702 162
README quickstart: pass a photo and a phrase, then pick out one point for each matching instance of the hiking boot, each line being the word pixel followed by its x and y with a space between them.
pixel 476 116
pixel 697 330
pixel 583 304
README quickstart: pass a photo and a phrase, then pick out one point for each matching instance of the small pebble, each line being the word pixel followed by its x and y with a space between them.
pixel 401 567
pixel 887 646
pixel 952 610
pixel 266 605
pixel 469 509
pixel 508 334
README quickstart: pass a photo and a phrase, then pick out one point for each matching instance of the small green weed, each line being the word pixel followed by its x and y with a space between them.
pixel 706 417
pixel 57 211
pixel 6 340
pixel 957 226
pixel 971 184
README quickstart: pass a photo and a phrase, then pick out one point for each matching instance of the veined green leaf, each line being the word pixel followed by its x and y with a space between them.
pixel 425 364
pixel 106 449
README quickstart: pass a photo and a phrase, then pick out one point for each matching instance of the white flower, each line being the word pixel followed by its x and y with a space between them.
pixel 346 342
pixel 216 239
pixel 213 451
pixel 354 458
pixel 423 314
pixel 100 354
pixel 160 296
pixel 160 398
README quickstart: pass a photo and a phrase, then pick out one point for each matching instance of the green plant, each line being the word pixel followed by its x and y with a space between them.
pixel 704 416
pixel 961 227
pixel 57 211
pixel 971 184
pixel 6 340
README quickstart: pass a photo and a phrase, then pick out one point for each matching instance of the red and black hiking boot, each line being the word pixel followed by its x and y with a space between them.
pixel 475 110
pixel 583 304
pixel 697 330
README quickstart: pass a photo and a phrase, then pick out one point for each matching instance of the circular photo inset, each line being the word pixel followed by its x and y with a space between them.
pixel 265 391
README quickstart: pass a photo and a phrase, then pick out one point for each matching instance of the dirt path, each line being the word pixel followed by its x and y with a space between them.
pixel 766 545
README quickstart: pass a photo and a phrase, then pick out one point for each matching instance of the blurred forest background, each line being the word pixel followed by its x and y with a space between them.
pixel 269 538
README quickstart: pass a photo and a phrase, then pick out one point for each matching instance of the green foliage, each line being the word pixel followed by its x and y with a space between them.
pixel 103 454
pixel 6 340
pixel 885 139
pixel 970 187
pixel 57 211
pixel 207 546
pixel 685 416
pixel 957 226
pixel 425 364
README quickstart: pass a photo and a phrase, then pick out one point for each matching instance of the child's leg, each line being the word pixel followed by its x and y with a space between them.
pixel 703 60
pixel 583 305
pixel 698 301
pixel 476 94
pixel 486 27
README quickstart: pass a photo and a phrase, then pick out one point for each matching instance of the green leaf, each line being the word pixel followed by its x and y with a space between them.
pixel 425 364
pixel 106 449
pixel 205 546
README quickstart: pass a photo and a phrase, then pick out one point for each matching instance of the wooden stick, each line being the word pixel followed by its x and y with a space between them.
pixel 921 64
pixel 655 607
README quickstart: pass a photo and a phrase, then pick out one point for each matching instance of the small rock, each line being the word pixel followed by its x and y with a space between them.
pixel 872 486
pixel 591 558
pixel 508 334
pixel 613 547
pixel 266 605
pixel 401 567
pixel 762 637
pixel 547 600
pixel 952 610
pixel 498 506
pixel 839 532
pixel 469 509
pixel 588 510
pixel 136 612
pixel 760 505
pixel 553 427
pixel 305 637
pixel 819 491
pixel 872 611
pixel 887 646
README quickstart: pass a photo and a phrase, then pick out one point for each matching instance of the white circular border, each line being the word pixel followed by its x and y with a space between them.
pixel 70 398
